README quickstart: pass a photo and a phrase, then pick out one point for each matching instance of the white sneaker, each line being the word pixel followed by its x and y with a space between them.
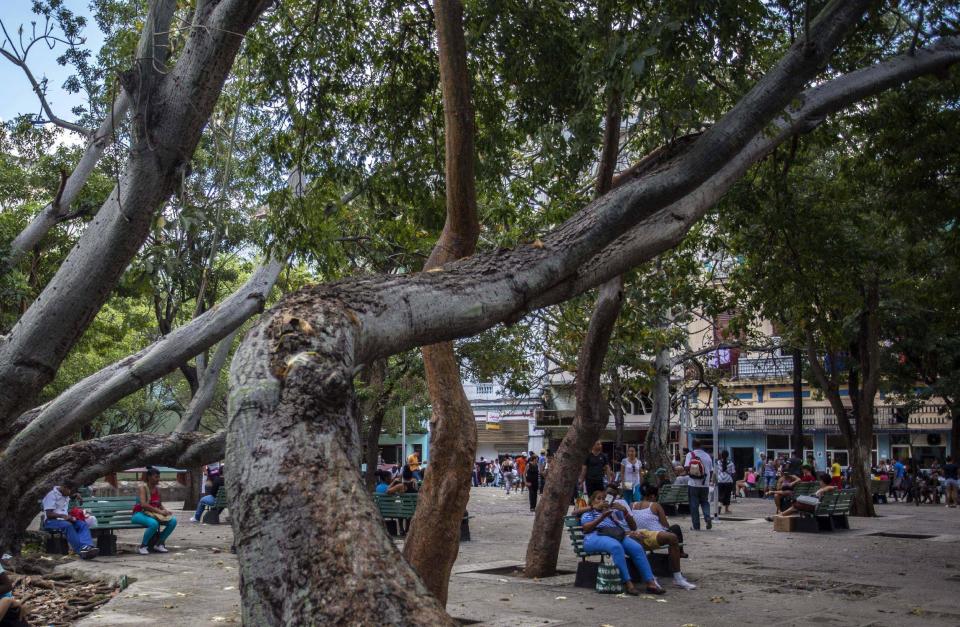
pixel 194 519
pixel 683 583
pixel 143 550
pixel 160 549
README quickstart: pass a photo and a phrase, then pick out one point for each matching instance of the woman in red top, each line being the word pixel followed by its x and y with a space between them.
pixel 149 505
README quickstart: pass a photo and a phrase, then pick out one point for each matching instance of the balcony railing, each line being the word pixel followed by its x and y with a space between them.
pixel 546 418
pixel 762 369
pixel 820 418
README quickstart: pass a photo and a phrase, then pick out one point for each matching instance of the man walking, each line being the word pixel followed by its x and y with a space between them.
pixel 951 481
pixel 699 467
pixel 507 471
pixel 532 479
pixel 594 469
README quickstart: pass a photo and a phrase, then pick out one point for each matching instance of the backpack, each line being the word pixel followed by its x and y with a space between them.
pixel 696 467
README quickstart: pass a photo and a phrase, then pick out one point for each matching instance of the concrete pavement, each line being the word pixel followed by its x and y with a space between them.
pixel 747 574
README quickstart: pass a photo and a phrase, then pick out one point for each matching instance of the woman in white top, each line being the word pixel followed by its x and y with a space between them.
pixel 631 474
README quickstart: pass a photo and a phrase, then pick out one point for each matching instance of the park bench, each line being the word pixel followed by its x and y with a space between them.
pixel 672 497
pixel 111 512
pixel 879 488
pixel 212 515
pixel 832 513
pixel 586 576
pixel 396 508
pixel 805 488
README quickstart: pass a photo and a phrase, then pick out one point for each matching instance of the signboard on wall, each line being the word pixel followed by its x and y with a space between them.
pixel 493 421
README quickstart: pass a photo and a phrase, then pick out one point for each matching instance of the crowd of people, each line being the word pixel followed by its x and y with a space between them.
pixel 523 472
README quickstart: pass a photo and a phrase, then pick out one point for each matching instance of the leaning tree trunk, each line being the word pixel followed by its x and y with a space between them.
pixel 591 418
pixel 194 483
pixel 616 403
pixel 954 430
pixel 655 448
pixel 433 542
pixel 312 547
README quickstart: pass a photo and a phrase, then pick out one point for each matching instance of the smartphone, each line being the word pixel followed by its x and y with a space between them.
pixel 609 499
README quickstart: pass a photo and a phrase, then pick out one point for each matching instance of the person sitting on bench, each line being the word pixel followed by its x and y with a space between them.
pixel 149 512
pixel 655 531
pixel 809 503
pixel 749 482
pixel 55 505
pixel 783 495
pixel 387 485
pixel 212 488
pixel 603 534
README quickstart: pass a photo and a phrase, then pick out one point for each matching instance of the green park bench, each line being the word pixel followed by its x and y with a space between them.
pixel 831 514
pixel 212 515
pixel 111 512
pixel 805 488
pixel 396 508
pixel 586 576
pixel 879 488
pixel 672 497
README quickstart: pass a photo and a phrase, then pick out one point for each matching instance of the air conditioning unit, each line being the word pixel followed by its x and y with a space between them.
pixel 743 416
pixel 933 439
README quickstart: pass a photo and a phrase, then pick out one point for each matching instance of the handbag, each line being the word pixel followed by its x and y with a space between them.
pixel 617 533
pixel 162 518
pixel 608 579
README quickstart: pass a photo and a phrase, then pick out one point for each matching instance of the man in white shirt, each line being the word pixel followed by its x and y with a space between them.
pixel 699 467
pixel 55 505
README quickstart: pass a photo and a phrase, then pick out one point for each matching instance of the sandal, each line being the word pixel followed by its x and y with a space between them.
pixel 655 590
pixel 632 591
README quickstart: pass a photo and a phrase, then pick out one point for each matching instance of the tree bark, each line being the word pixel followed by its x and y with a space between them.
pixel 589 422
pixel 797 402
pixel 312 546
pixel 433 541
pixel 615 401
pixel 655 448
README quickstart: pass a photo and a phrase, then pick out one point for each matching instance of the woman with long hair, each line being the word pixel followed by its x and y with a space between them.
pixel 149 512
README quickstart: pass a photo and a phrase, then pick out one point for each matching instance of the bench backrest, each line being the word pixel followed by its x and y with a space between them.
pixel 116 511
pixel 879 486
pixel 672 494
pixel 836 503
pixel 396 505
pixel 221 501
pixel 806 488
pixel 575 532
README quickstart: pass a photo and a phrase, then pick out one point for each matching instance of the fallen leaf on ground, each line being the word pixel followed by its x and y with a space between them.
pixel 661 600
pixel 718 600
pixel 501 580
pixel 561 599
pixel 228 588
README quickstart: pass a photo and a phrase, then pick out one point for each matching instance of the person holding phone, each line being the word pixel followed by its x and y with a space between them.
pixel 602 532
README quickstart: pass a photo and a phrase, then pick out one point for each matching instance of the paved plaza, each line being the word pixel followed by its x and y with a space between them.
pixel 747 575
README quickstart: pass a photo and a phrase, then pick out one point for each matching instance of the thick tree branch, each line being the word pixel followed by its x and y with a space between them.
pixel 169 112
pixel 85 400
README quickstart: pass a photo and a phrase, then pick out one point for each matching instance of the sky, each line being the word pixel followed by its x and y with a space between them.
pixel 17 96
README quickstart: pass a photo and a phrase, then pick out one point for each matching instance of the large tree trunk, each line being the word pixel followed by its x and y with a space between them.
pixel 312 547
pixel 591 418
pixel 433 541
pixel 954 430
pixel 797 403
pixel 655 449
pixel 615 401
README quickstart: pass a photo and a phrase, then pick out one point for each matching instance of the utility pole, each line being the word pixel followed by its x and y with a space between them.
pixel 715 507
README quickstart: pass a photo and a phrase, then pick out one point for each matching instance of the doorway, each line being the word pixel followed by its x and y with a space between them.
pixel 742 458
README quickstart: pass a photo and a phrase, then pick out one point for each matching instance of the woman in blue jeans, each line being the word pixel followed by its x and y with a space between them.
pixel 148 502
pixel 602 516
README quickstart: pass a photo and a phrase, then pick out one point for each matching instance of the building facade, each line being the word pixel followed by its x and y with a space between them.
pixel 757 415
